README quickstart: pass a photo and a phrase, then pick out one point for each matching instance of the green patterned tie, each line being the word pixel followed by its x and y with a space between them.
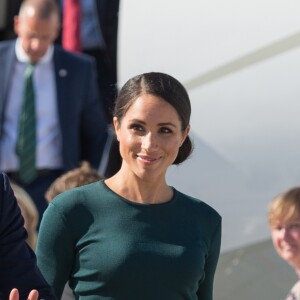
pixel 26 144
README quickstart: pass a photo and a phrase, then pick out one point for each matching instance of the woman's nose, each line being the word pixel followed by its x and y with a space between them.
pixel 149 141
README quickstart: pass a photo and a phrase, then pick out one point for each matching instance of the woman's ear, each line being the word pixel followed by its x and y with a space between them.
pixel 185 134
pixel 116 126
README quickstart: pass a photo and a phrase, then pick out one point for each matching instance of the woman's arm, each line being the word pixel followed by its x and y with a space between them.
pixel 205 290
pixel 55 249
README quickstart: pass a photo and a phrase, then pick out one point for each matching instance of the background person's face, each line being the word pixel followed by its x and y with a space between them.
pixel 286 240
pixel 36 34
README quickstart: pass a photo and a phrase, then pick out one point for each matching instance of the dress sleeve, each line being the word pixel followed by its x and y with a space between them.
pixel 18 268
pixel 55 250
pixel 205 290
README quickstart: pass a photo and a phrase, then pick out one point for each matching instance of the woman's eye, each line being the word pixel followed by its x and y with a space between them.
pixel 165 130
pixel 137 127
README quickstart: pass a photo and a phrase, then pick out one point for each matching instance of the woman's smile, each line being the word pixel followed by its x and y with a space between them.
pixel 150 135
pixel 147 159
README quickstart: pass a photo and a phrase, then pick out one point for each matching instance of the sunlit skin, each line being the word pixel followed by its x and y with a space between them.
pixel 150 135
pixel 36 34
pixel 286 240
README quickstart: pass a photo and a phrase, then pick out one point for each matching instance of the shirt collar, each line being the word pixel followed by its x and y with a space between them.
pixel 23 57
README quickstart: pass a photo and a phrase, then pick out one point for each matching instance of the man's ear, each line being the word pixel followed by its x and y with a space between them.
pixel 56 34
pixel 16 24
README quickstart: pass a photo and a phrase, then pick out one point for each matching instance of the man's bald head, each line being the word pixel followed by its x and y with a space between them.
pixel 37 25
pixel 41 9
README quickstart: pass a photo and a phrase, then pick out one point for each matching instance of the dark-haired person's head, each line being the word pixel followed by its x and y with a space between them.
pixel 165 87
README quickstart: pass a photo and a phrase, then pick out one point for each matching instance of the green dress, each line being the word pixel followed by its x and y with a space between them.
pixel 112 248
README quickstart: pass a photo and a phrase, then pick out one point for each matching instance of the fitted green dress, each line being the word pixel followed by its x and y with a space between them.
pixel 112 248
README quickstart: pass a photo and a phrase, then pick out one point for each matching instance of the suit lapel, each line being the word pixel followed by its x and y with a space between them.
pixel 61 74
pixel 7 61
pixel 61 77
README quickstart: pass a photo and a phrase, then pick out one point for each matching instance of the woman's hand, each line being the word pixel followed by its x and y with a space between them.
pixel 14 295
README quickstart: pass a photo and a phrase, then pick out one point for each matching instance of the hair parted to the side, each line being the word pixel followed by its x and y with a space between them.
pixel 165 87
pixel 284 206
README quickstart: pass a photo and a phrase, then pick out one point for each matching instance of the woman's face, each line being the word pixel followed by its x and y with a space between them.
pixel 150 136
pixel 286 240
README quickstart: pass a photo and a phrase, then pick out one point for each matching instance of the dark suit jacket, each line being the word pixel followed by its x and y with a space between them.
pixel 12 9
pixel 108 17
pixel 108 13
pixel 81 117
pixel 18 267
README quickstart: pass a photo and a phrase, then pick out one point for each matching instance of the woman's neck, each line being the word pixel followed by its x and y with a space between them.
pixel 138 190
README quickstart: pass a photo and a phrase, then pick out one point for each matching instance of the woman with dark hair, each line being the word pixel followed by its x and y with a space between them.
pixel 132 236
